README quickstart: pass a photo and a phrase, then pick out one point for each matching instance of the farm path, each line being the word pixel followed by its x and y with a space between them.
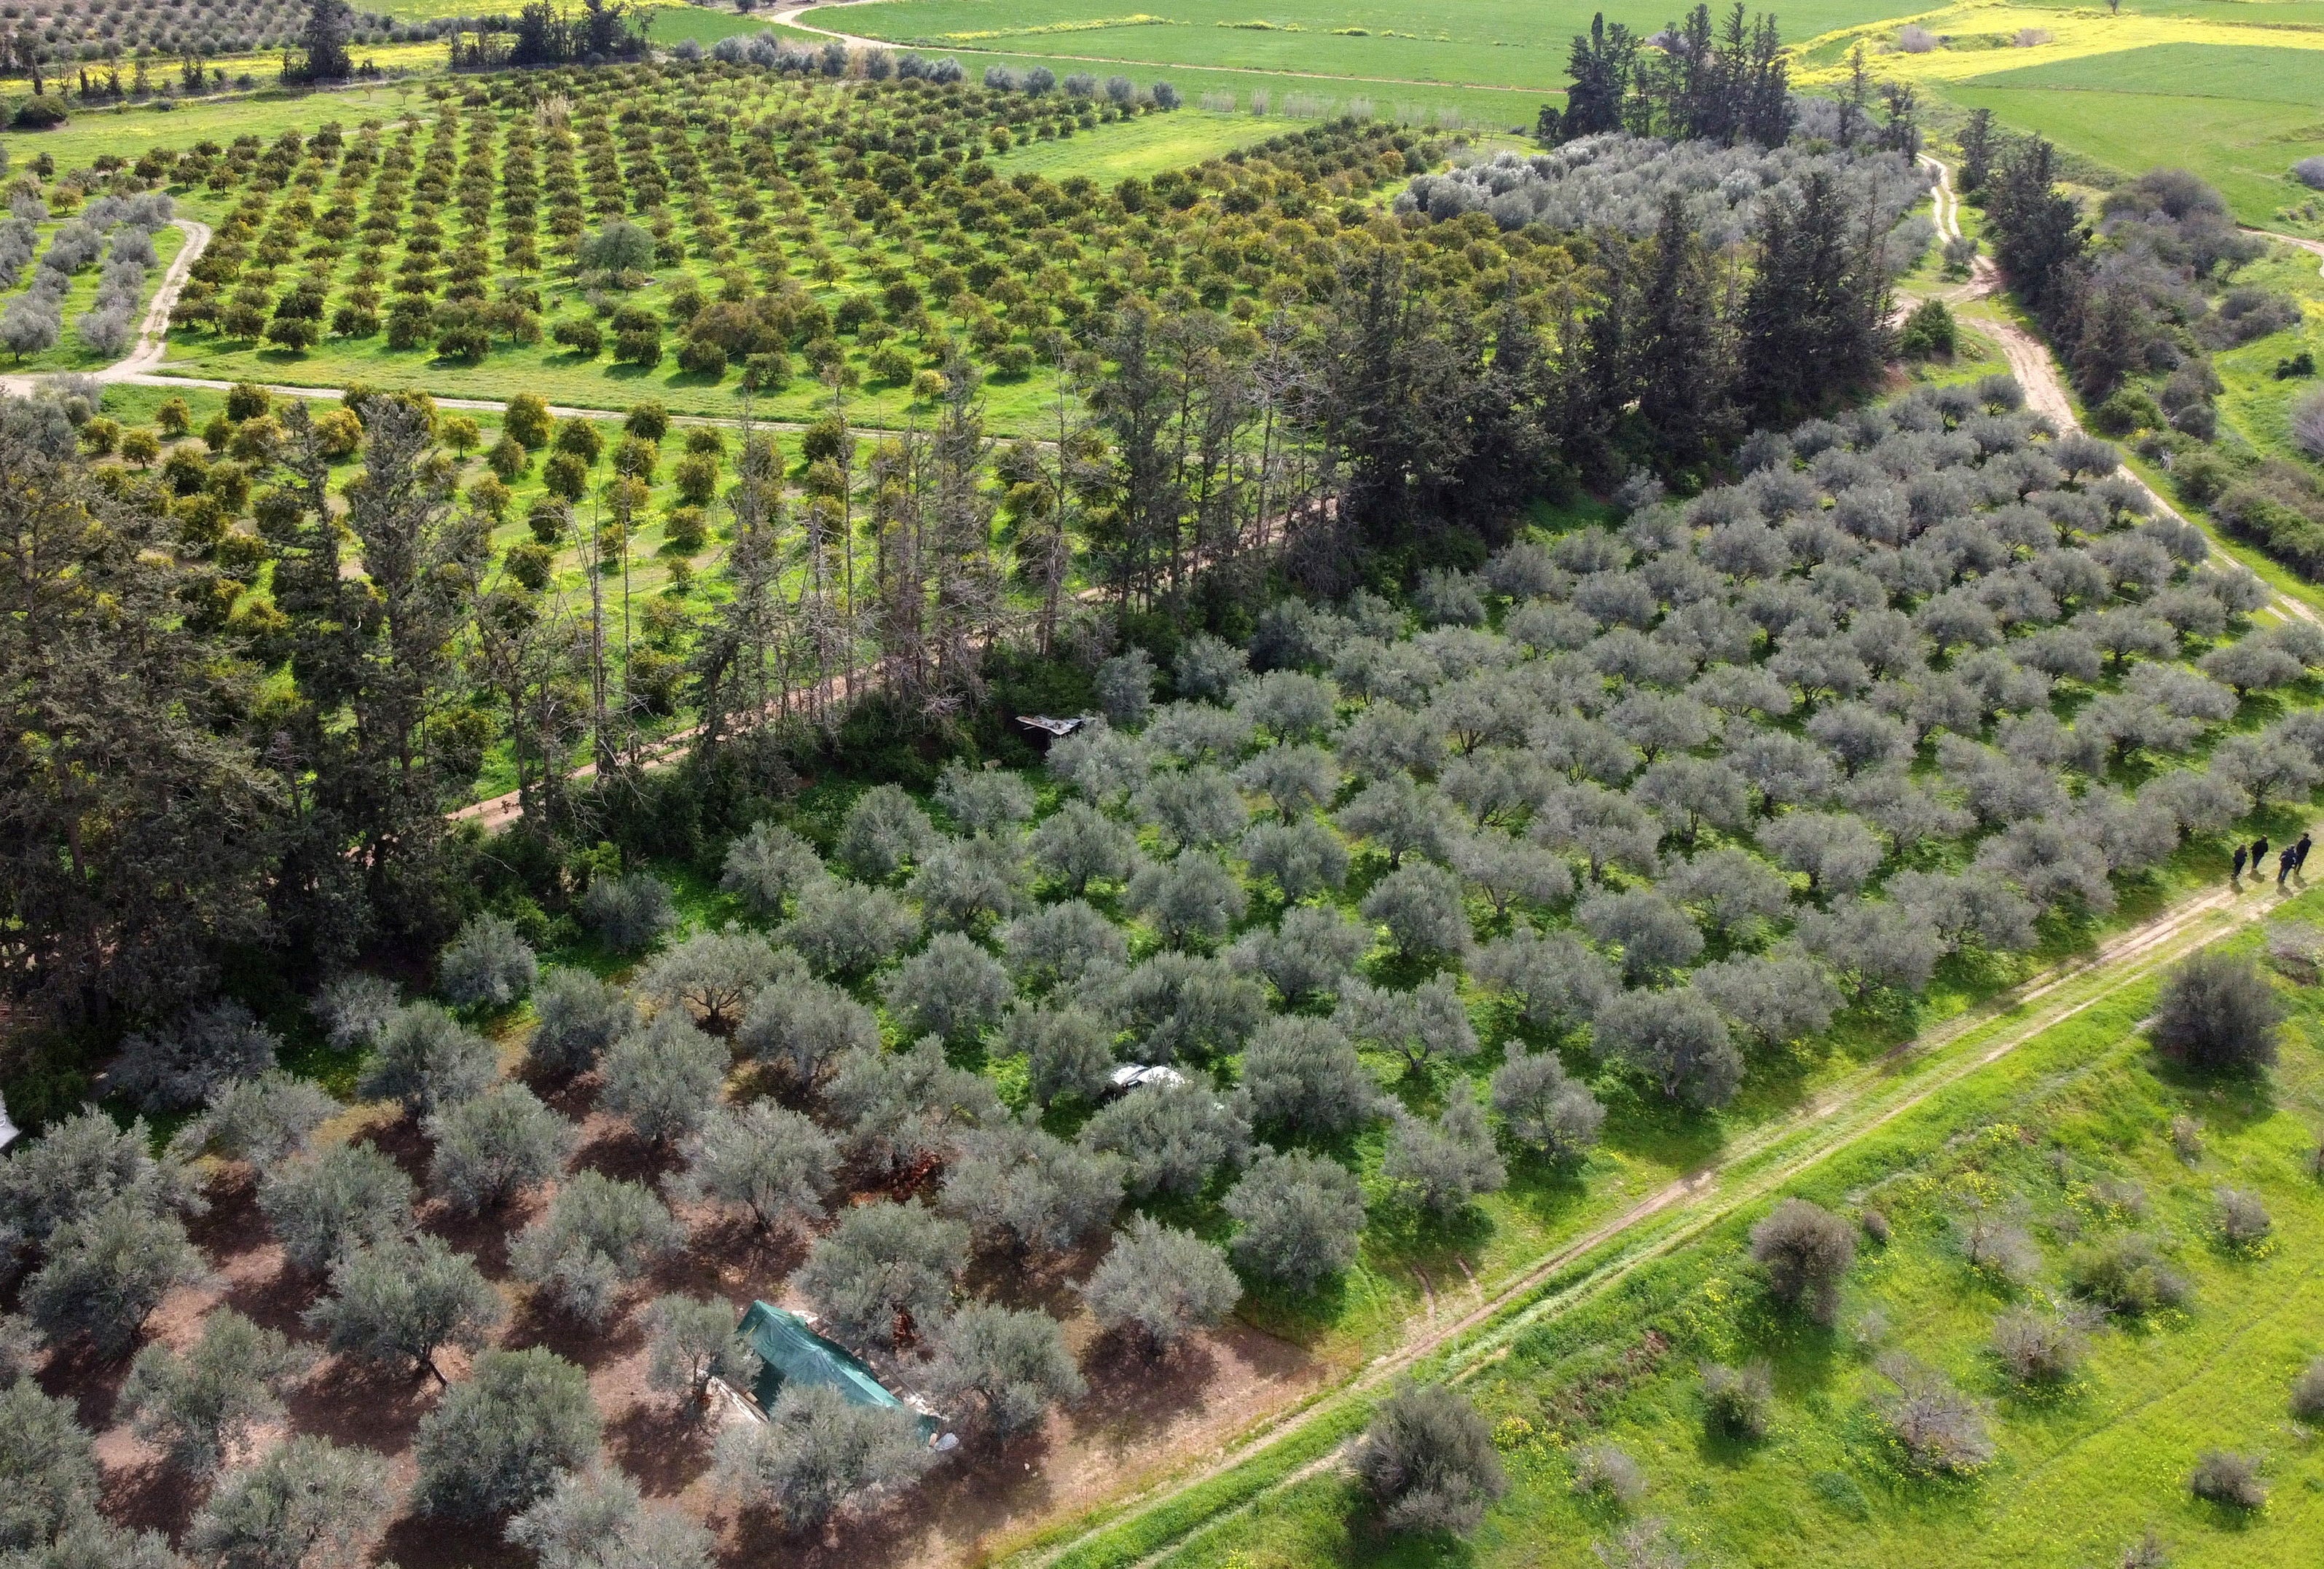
pixel 1854 1108
pixel 792 18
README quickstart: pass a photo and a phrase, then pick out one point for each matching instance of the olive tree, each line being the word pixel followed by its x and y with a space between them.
pixel 952 989
pixel 1427 1024
pixel 598 1236
pixel 1160 1284
pixel 1012 1365
pixel 398 1303
pixel 328 1205
pixel 49 1462
pixel 204 1051
pixel 263 1121
pixel 818 1452
pixel 805 1026
pixel 628 912
pixel 1443 1166
pixel 1058 942
pixel 201 1406
pixel 306 1504
pixel 1837 851
pixel 1296 779
pixel 902 1107
pixel 1653 935
pixel 1189 899
pixel 1303 858
pixel 80 1166
pixel 1189 1006
pixel 1298 1217
pixel 712 977
pixel 1303 1075
pixel 1421 907
pixel 845 928
pixel 1125 686
pixel 1428 1462
pixel 1170 1136
pixel 1309 951
pixel 964 883
pixel 771 1160
pixel 597 1519
pixel 1077 844
pixel 427 1060
pixel 580 1016
pixel 491 1148
pixel 500 1439
pixel 884 1264
pixel 1772 998
pixel 487 965
pixel 1544 1109
pixel 1029 1188
pixel 107 1270
pixel 691 1339
pixel 665 1078
pixel 883 832
pixel 1674 1039
pixel 1195 808
pixel 1066 1051
pixel 989 800
pixel 769 867
pixel 1398 817
pixel 1556 979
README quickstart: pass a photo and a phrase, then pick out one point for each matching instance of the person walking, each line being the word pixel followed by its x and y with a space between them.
pixel 2242 849
pixel 2284 862
pixel 2259 856
pixel 2300 857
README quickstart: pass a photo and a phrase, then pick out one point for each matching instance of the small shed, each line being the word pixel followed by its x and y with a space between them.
pixel 1041 729
pixel 789 1351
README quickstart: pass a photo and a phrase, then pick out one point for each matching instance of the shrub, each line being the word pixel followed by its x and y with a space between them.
pixel 487 965
pixel 2243 1217
pixel 2225 1477
pixel 426 1059
pixel 2038 1348
pixel 1162 1284
pixel 1604 1470
pixel 580 1016
pixel 2127 1275
pixel 305 1501
pixel 1428 1460
pixel 489 1147
pixel 1928 332
pixel 1805 1252
pixel 817 1452
pixel 2308 1392
pixel 1740 1402
pixel 2217 1014
pixel 201 1407
pixel 398 1303
pixel 629 913
pixel 1940 1430
pixel 1012 1364
pixel 499 1441
pixel 332 1203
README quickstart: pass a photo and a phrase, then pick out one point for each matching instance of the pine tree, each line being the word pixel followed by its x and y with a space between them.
pixel 329 24
pixel 1682 351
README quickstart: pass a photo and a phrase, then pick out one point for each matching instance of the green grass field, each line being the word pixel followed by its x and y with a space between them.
pixel 2080 1471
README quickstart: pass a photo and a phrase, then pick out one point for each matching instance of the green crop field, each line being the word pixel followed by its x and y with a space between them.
pixel 2073 1138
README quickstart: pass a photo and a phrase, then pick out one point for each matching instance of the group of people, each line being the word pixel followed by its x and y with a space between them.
pixel 2288 860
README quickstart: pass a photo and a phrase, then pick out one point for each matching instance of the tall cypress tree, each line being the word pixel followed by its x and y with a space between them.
pixel 1681 348
pixel 330 24
pixel 1600 64
pixel 1976 152
pixel 2038 234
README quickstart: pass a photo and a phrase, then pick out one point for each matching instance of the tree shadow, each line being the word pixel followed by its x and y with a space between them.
pixel 661 1444
pixel 418 1541
pixel 540 1322
pixel 152 1496
pixel 353 1403
pixel 1132 1392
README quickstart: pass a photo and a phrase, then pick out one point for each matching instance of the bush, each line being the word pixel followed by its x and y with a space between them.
pixel 2243 1217
pixel 2308 1392
pixel 487 965
pixel 1603 1470
pixel 489 1147
pixel 328 1207
pixel 1928 332
pixel 1940 1430
pixel 499 1442
pixel 629 913
pixel 426 1059
pixel 1740 1402
pixel 1805 1252
pixel 2225 1477
pixel 1161 1284
pixel 305 1501
pixel 1428 1462
pixel 2038 1348
pixel 598 1235
pixel 2217 1014
pixel 398 1303
pixel 2127 1275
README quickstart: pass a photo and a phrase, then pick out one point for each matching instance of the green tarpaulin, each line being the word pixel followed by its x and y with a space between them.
pixel 791 1351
